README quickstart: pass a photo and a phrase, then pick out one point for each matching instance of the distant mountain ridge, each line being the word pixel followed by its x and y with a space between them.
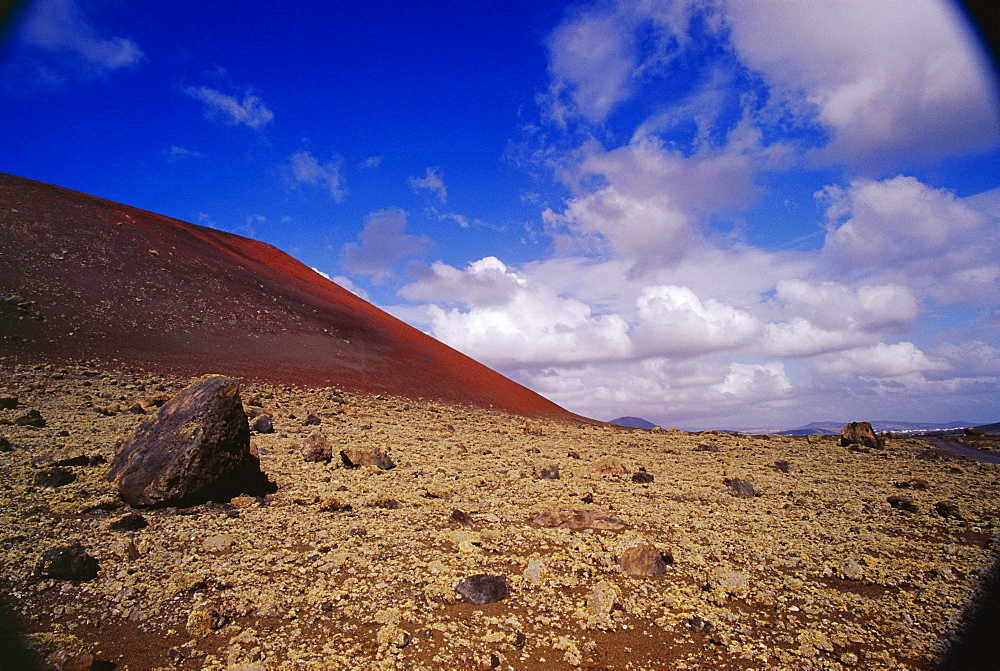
pixel 880 426
pixel 633 423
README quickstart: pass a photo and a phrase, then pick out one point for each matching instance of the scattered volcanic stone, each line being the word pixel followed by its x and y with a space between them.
pixel 602 599
pixel 969 431
pixel 61 458
pixel 860 433
pixel 31 418
pixel 740 488
pixel 312 420
pixel 903 503
pixel 218 543
pixel 148 402
pixel 67 562
pixel 262 425
pixel 550 472
pixel 203 620
pixel 950 510
pixel 578 519
pixel 196 449
pixel 5 445
pixel 642 559
pixel 699 625
pixel 850 570
pixel 535 572
pixel 355 457
pixel 483 588
pixel 316 447
pixel 57 476
pixel 642 477
pixel 610 466
pixel 785 467
pixel 731 582
pixel 130 522
pixel 707 446
pixel 8 402
pixel 461 517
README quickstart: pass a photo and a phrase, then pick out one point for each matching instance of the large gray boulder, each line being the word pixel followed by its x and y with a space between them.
pixel 195 449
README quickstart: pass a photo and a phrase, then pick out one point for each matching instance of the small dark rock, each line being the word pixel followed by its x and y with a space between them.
pixel 355 457
pixel 740 488
pixel 262 425
pixel 31 418
pixel 5 445
pixel 67 562
pixel 8 402
pixel 461 517
pixel 950 510
pixel 860 433
pixel 312 420
pixel 642 477
pixel 643 559
pixel 587 498
pixel 519 640
pixel 903 503
pixel 699 625
pixel 784 466
pixel 316 447
pixel 61 458
pixel 57 476
pixel 482 588
pixel 706 446
pixel 550 472
pixel 131 522
pixel 572 454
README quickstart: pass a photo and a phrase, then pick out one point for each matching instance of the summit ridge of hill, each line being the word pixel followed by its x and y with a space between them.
pixel 84 278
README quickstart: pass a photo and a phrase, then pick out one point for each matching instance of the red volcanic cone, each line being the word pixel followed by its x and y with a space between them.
pixel 84 277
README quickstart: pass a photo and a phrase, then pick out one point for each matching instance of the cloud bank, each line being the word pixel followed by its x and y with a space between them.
pixel 653 303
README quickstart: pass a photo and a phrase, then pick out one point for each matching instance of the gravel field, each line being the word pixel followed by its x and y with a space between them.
pixel 608 547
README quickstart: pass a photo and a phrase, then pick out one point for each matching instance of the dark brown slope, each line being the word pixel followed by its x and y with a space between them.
pixel 133 288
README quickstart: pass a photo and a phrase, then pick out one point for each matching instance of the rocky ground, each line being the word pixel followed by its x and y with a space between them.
pixel 687 551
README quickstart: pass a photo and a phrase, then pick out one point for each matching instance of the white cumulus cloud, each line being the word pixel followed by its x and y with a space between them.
pixel 61 28
pixel 888 80
pixel 431 181
pixel 381 243
pixel 916 235
pixel 674 321
pixel 231 110
pixel 306 169
pixel 881 360
pixel 507 319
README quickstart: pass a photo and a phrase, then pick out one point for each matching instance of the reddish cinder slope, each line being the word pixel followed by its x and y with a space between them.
pixel 110 282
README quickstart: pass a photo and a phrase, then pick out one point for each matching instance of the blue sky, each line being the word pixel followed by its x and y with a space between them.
pixel 741 214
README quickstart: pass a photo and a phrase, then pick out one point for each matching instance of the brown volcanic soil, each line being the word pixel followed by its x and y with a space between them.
pixel 345 569
pixel 86 278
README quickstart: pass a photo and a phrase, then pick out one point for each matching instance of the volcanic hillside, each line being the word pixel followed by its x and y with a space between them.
pixel 86 278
